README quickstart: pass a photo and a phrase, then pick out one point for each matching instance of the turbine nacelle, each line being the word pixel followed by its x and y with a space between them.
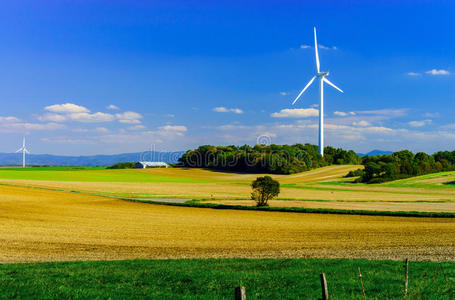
pixel 322 74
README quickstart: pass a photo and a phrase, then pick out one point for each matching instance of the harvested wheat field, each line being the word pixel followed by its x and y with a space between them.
pixel 42 225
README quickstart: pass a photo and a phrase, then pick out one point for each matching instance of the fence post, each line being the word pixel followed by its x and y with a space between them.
pixel 240 293
pixel 406 266
pixel 325 291
pixel 361 283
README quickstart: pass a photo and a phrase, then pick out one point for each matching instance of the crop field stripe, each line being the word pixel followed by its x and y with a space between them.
pixel 200 204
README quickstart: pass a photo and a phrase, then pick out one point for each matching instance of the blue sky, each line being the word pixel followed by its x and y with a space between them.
pixel 88 77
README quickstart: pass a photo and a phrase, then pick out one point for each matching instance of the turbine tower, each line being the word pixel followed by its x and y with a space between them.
pixel 23 150
pixel 322 78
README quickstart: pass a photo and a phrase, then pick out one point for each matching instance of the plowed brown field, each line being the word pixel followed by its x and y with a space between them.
pixel 42 225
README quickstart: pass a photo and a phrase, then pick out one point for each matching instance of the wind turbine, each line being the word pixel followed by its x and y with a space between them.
pixel 322 78
pixel 23 150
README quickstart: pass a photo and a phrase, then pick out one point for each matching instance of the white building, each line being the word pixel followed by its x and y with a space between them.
pixel 151 164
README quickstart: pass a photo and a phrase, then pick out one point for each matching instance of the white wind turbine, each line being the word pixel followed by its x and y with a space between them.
pixel 322 79
pixel 23 150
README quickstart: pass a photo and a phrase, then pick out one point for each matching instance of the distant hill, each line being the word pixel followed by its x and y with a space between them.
pixel 375 152
pixel 9 159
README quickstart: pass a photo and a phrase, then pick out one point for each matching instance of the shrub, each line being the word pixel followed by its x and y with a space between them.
pixel 123 165
pixel 264 189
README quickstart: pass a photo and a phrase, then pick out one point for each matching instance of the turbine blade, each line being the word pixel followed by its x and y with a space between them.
pixel 316 50
pixel 19 150
pixel 326 80
pixel 304 89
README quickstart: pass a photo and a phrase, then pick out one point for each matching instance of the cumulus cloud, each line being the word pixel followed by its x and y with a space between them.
pixel 305 46
pixel 171 130
pixel 361 123
pixel 67 108
pixel 344 114
pixel 129 117
pixel 296 113
pixel 419 123
pixel 226 110
pixel 180 128
pixel 112 107
pixel 284 93
pixel 414 74
pixel 52 118
pixel 8 119
pixel 91 118
pixel 438 72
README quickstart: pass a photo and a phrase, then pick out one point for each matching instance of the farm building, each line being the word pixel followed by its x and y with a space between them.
pixel 151 164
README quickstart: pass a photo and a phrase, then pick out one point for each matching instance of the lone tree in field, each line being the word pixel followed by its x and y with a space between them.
pixel 264 189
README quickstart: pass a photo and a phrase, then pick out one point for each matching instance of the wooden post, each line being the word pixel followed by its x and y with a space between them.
pixel 406 267
pixel 325 291
pixel 361 283
pixel 240 293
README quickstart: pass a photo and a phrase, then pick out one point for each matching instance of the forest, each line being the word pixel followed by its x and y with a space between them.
pixel 274 159
pixel 403 164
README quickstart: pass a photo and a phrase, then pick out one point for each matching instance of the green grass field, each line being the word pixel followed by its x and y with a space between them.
pixel 217 278
pixel 89 174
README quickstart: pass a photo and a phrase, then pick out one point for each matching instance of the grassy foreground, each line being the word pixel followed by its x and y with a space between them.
pixel 217 278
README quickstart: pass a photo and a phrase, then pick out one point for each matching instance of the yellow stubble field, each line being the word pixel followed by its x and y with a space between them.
pixel 43 225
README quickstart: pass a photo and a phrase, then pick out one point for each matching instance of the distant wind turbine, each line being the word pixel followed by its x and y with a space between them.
pixel 322 78
pixel 23 150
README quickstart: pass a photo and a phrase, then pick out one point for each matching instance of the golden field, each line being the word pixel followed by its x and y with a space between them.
pixel 43 225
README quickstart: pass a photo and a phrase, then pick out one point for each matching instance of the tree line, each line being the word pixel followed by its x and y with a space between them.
pixel 403 164
pixel 274 159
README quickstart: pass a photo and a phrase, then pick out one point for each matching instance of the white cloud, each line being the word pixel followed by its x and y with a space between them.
pixel 414 74
pixel 180 128
pixel 344 114
pixel 225 110
pixel 52 118
pixel 327 48
pixel 67 108
pixel 8 119
pixel 304 46
pixel 419 123
pixel 129 117
pixel 112 107
pixel 91 118
pixel 296 113
pixel 438 72
pixel 361 123
pixel 284 93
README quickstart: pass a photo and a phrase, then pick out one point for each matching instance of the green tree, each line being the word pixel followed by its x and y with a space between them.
pixel 264 189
